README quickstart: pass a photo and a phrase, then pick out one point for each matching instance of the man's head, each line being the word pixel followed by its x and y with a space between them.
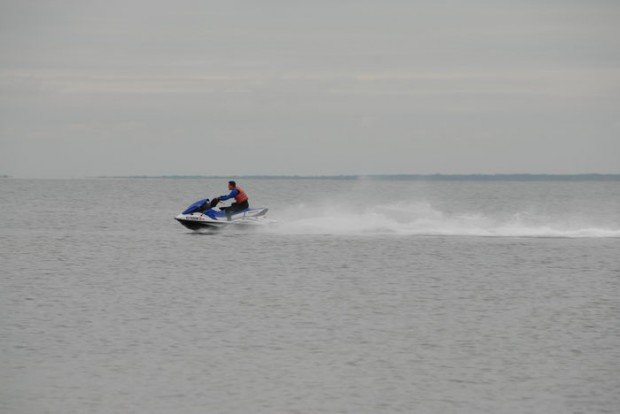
pixel 232 185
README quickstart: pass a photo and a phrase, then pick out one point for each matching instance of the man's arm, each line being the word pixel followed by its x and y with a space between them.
pixel 232 194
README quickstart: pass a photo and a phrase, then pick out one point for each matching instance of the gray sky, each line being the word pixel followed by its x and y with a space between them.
pixel 308 87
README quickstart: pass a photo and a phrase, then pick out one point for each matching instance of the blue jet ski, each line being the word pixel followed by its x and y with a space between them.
pixel 204 214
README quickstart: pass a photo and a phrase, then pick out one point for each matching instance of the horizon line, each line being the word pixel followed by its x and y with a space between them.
pixel 433 176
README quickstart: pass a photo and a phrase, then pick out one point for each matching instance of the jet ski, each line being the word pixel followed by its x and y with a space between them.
pixel 203 214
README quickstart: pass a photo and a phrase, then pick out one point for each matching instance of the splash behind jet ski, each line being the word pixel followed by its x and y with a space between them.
pixel 203 214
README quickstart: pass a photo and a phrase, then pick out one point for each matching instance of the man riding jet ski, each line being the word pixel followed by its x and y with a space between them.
pixel 203 213
pixel 241 199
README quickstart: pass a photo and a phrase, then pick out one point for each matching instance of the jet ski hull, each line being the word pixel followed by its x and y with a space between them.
pixel 196 225
pixel 217 219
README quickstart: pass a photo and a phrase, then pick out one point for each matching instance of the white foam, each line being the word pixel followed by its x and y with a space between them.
pixel 422 219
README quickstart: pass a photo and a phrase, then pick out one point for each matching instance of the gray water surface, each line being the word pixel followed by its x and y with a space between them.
pixel 379 297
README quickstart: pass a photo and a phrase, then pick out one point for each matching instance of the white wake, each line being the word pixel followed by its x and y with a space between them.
pixel 423 219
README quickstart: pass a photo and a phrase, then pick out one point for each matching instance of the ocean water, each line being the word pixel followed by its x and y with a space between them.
pixel 359 296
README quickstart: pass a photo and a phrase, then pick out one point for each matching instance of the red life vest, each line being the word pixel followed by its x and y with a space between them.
pixel 241 195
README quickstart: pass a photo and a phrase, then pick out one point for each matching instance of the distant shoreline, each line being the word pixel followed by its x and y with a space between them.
pixel 378 177
pixel 404 177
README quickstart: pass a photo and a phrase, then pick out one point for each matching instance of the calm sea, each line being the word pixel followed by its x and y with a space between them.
pixel 363 295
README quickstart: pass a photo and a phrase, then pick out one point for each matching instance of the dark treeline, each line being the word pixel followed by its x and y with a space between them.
pixel 404 177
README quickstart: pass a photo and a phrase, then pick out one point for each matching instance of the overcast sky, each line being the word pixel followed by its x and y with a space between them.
pixel 308 87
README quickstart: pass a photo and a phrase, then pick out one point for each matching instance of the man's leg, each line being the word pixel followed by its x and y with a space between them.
pixel 230 211
pixel 235 208
pixel 243 205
